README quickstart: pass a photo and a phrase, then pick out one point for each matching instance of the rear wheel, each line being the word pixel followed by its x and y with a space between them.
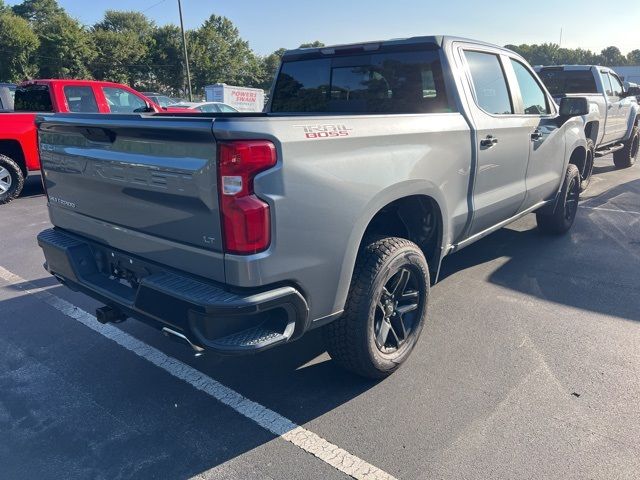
pixel 11 179
pixel 587 171
pixel 561 219
pixel 385 311
pixel 627 156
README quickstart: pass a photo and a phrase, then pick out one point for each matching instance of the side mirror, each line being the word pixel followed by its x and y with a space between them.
pixel 148 108
pixel 633 90
pixel 574 106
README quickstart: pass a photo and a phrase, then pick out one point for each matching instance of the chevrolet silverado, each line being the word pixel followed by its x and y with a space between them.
pixel 238 232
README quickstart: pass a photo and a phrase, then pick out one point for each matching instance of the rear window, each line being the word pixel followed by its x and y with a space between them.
pixel 559 81
pixel 33 98
pixel 394 82
pixel 81 99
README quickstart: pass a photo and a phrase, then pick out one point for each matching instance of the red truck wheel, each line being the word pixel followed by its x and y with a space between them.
pixel 11 180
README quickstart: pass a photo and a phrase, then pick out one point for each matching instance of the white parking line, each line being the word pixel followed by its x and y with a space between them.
pixel 604 209
pixel 264 417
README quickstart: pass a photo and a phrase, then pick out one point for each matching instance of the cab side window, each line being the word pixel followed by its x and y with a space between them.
pixel 606 81
pixel 616 86
pixel 489 83
pixel 81 99
pixel 533 97
pixel 122 101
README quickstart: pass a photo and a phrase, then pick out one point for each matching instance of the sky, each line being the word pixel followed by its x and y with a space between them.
pixel 269 25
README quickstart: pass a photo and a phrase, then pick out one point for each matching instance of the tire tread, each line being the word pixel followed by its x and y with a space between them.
pixel 18 179
pixel 343 340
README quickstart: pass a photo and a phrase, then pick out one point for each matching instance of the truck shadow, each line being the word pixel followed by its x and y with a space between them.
pixel 64 388
pixel 594 267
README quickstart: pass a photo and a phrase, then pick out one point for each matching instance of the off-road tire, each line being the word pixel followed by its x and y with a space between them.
pixel 351 340
pixel 587 171
pixel 561 218
pixel 16 179
pixel 626 157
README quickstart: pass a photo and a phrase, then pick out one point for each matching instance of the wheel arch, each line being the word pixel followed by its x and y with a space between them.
pixel 13 150
pixel 388 198
pixel 578 157
pixel 634 121
pixel 417 218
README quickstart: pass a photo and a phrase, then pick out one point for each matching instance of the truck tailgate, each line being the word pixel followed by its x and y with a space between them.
pixel 146 185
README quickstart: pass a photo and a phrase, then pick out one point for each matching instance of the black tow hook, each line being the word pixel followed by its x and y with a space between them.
pixel 109 314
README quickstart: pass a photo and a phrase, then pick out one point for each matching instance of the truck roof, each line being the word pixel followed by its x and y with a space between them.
pixel 52 81
pixel 435 40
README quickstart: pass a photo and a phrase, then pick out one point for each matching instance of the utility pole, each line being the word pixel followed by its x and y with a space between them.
pixel 560 44
pixel 186 55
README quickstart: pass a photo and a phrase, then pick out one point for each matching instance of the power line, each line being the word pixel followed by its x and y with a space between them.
pixel 153 6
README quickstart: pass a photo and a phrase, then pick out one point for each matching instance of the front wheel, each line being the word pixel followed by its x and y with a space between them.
pixel 385 311
pixel 561 219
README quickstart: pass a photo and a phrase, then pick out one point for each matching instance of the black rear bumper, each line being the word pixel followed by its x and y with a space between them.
pixel 207 315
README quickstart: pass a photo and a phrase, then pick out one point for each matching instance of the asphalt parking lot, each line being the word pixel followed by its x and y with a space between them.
pixel 529 367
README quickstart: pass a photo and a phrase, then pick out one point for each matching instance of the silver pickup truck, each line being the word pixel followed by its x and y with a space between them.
pixel 611 126
pixel 238 232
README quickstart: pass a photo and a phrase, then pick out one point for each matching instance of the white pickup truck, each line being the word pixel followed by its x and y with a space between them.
pixel 612 123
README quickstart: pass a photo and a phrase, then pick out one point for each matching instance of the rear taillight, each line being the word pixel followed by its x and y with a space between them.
pixel 246 221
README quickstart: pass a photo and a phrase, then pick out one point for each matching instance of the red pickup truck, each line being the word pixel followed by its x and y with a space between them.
pixel 18 141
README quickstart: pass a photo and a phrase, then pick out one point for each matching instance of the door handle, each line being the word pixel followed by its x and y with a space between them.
pixel 489 141
pixel 537 135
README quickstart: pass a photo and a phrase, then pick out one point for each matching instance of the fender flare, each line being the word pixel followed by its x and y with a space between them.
pixel 631 121
pixel 592 117
pixel 383 198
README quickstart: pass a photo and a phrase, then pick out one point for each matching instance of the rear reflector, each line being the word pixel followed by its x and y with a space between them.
pixel 246 220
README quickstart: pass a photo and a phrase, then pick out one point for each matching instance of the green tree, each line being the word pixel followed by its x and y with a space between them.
pixel 167 61
pixel 633 57
pixel 123 42
pixel 125 22
pixel 611 56
pixel 18 45
pixel 316 44
pixel 65 48
pixel 552 54
pixel 38 11
pixel 219 54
